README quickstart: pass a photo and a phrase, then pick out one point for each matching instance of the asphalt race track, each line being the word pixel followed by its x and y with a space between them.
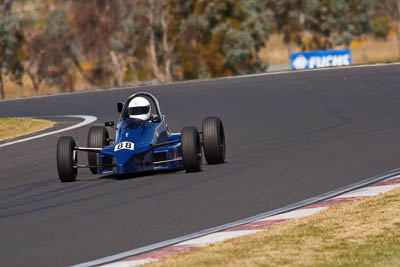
pixel 290 137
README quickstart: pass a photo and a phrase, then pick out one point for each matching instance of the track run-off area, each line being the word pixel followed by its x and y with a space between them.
pixel 290 137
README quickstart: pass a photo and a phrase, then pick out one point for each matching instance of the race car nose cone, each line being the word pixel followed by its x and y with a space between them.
pixel 120 168
pixel 130 161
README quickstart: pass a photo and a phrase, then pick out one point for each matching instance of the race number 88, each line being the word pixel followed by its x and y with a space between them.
pixel 125 145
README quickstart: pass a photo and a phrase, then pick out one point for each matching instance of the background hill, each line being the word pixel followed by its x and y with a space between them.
pixel 51 46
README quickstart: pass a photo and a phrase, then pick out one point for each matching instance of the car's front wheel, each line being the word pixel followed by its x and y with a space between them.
pixel 214 140
pixel 97 138
pixel 191 149
pixel 67 159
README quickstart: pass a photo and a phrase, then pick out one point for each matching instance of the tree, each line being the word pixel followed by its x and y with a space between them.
pixel 191 39
pixel 94 23
pixel 321 18
pixel 381 27
pixel 52 49
pixel 231 35
pixel 11 46
pixel 392 7
pixel 289 20
pixel 161 25
pixel 336 22
pixel 359 22
pixel 5 7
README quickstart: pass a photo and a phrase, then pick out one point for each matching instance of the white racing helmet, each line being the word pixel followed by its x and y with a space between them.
pixel 139 108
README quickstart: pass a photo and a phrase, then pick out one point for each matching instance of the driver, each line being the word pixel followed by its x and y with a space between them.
pixel 139 108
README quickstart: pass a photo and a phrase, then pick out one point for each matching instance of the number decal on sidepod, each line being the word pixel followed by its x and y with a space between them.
pixel 125 145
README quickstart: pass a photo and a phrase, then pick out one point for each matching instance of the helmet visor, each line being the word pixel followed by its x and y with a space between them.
pixel 139 110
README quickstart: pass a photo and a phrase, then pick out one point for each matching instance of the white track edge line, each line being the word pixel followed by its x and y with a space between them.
pixel 369 191
pixel 216 238
pixel 298 205
pixel 294 214
pixel 86 120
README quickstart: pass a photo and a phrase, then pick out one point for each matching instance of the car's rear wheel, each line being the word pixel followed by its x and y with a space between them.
pixel 67 159
pixel 191 149
pixel 97 138
pixel 214 140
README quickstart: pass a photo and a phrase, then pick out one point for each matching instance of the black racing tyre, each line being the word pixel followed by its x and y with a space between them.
pixel 97 138
pixel 67 158
pixel 191 149
pixel 214 140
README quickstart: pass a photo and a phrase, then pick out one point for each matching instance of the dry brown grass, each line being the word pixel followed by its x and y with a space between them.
pixel 14 90
pixel 360 233
pixel 276 51
pixel 15 127
pixel 26 89
pixel 377 50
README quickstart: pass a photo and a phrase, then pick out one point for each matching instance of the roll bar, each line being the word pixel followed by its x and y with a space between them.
pixel 152 98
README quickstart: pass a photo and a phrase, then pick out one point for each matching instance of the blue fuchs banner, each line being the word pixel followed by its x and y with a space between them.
pixel 321 59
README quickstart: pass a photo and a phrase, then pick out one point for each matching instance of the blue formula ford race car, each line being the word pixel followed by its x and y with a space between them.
pixel 143 143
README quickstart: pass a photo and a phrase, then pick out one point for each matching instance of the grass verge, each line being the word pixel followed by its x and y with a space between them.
pixel 15 127
pixel 372 51
pixel 359 233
